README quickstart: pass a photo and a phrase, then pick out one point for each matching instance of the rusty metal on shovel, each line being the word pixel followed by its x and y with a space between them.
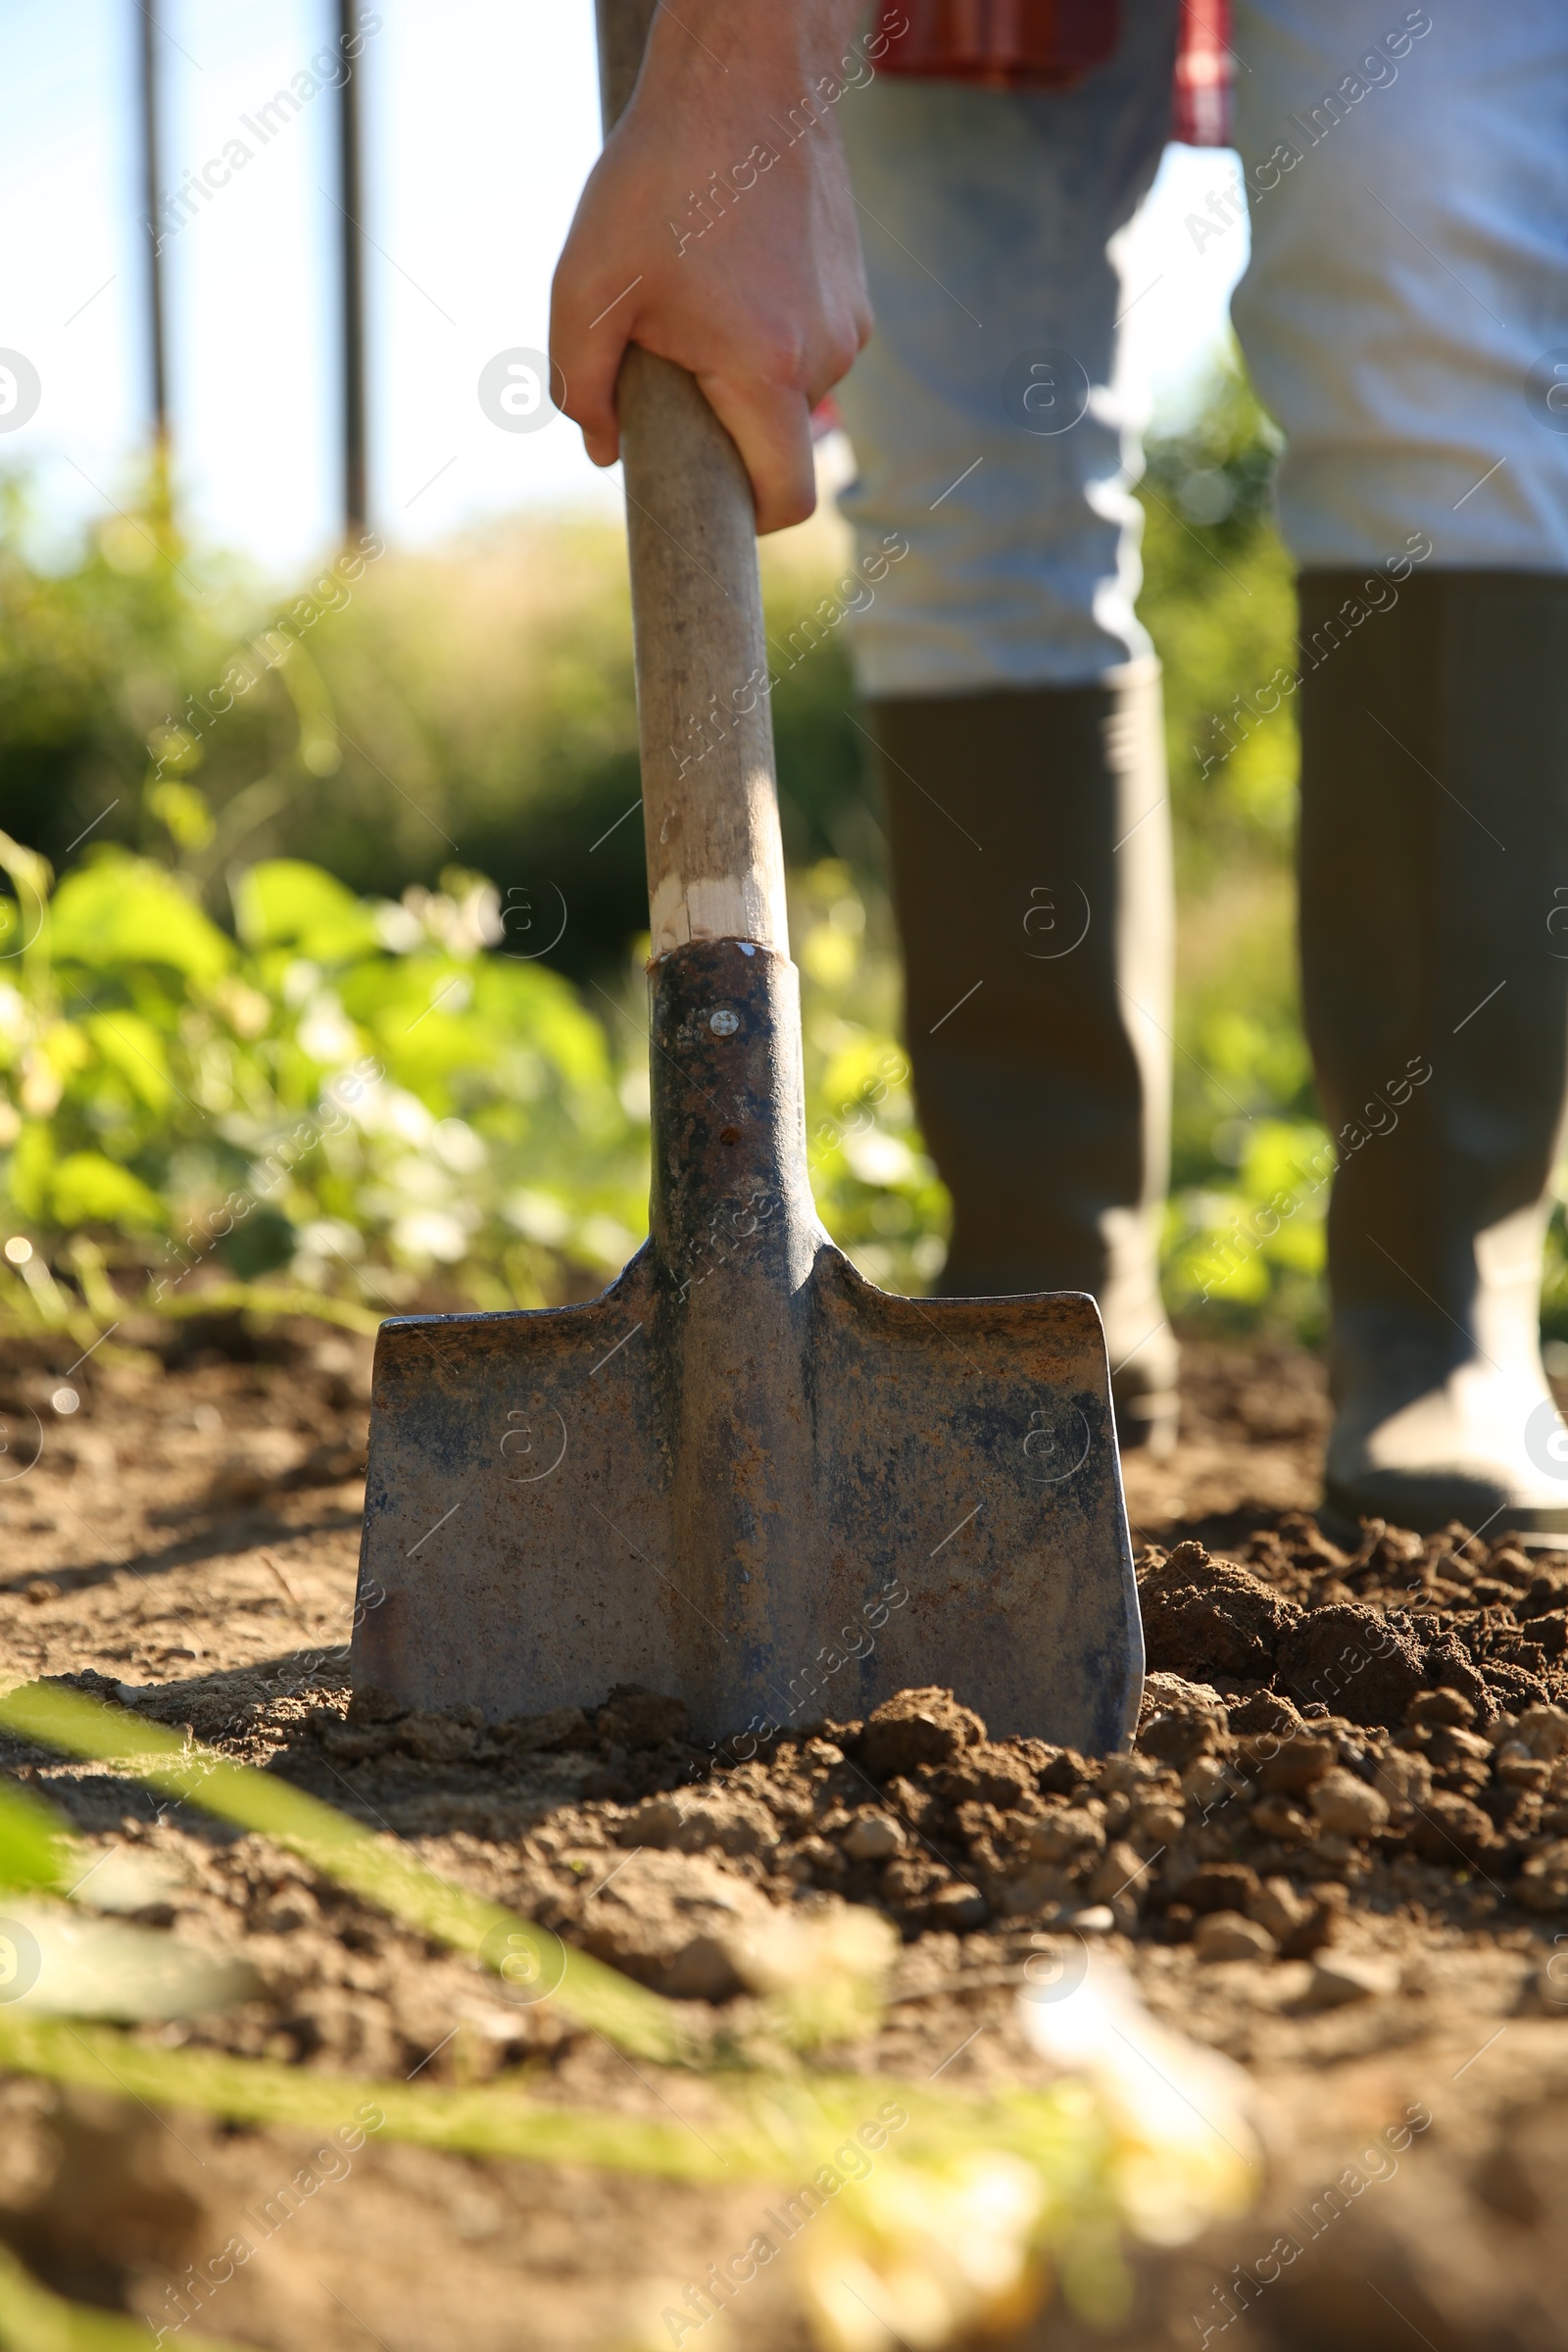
pixel 744 1475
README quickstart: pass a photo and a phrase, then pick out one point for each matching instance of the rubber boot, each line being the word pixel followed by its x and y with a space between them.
pixel 1434 869
pixel 1030 839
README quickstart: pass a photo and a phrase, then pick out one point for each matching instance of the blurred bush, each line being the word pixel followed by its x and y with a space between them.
pixel 385 1097
pixel 1219 600
pixel 452 738
pixel 474 707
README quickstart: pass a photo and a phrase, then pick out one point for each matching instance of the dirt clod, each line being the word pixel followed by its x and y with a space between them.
pixel 1204 1616
pixel 916 1727
pixel 635 1718
pixel 1231 1936
pixel 1354 1660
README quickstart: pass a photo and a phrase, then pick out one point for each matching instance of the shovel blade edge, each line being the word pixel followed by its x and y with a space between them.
pixel 960 1519
pixel 967 1451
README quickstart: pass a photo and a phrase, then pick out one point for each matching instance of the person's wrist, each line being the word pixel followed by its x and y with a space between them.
pixel 761 44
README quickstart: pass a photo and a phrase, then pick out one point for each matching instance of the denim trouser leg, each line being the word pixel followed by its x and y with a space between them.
pixel 1403 315
pixel 1040 1051
pixel 1409 217
pixel 986 218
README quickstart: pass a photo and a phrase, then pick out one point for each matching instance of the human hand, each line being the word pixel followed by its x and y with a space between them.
pixel 751 276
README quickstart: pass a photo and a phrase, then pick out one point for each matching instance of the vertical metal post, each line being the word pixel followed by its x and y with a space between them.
pixel 157 361
pixel 351 201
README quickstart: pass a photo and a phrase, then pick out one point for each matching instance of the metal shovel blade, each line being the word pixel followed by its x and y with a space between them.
pixel 744 1475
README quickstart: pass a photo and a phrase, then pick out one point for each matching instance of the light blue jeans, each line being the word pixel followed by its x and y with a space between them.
pixel 1403 315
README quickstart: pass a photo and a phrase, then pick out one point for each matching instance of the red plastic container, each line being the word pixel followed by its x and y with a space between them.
pixel 1006 44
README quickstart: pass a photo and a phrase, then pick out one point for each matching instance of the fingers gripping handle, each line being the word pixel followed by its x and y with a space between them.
pixel 715 859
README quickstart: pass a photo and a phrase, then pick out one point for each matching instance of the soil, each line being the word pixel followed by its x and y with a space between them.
pixel 1338 1854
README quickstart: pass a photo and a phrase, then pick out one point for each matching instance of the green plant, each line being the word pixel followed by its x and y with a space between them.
pixel 340 1850
pixel 342 1078
pixel 472 706
pixel 474 711
pixel 1244 1232
pixel 375 1095
pixel 33 2320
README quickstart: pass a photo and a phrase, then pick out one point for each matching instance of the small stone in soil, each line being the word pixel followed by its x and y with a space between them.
pixel 1350 1977
pixel 1228 1935
pixel 873 1838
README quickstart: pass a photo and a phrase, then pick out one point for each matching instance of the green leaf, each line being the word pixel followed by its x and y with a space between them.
pixel 35 1846
pixel 33 2320
pixel 86 1188
pixel 284 901
pixel 32 1166
pixel 753 2126
pixel 185 810
pixel 124 910
pixel 493 2121
pixel 135 1048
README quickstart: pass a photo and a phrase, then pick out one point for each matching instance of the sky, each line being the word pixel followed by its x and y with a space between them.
pixel 480 121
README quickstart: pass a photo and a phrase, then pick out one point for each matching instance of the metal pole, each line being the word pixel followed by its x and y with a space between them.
pixel 351 200
pixel 151 198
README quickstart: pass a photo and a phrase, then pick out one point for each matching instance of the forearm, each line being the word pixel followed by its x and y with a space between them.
pixel 759 44
pixel 747 79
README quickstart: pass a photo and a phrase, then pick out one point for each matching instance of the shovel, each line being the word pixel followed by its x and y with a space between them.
pixel 743 1475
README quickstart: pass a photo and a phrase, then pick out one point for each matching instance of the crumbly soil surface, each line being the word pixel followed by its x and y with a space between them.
pixel 1338 1854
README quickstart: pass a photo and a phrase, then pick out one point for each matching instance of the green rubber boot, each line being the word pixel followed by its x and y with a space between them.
pixel 1435 969
pixel 1030 839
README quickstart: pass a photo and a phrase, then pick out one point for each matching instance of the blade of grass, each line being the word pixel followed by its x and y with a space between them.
pixel 36 1847
pixel 490 2120
pixel 384 1873
pixel 33 2320
pixel 764 2128
pixel 257 1299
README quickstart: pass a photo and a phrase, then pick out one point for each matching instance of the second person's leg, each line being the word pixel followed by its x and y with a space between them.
pixel 1409 257
pixel 1012 695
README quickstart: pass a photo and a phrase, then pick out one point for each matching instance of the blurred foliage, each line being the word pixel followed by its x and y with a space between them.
pixel 1244 1239
pixel 451 736
pixel 1219 599
pixel 378 1095
pixel 472 706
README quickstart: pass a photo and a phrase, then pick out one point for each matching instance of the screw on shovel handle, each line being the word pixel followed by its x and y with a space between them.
pixel 715 856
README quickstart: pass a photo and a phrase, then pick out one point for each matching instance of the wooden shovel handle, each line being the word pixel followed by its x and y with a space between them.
pixel 715 859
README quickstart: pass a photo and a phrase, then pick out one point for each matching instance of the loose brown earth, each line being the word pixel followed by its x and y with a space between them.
pixel 1340 1855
